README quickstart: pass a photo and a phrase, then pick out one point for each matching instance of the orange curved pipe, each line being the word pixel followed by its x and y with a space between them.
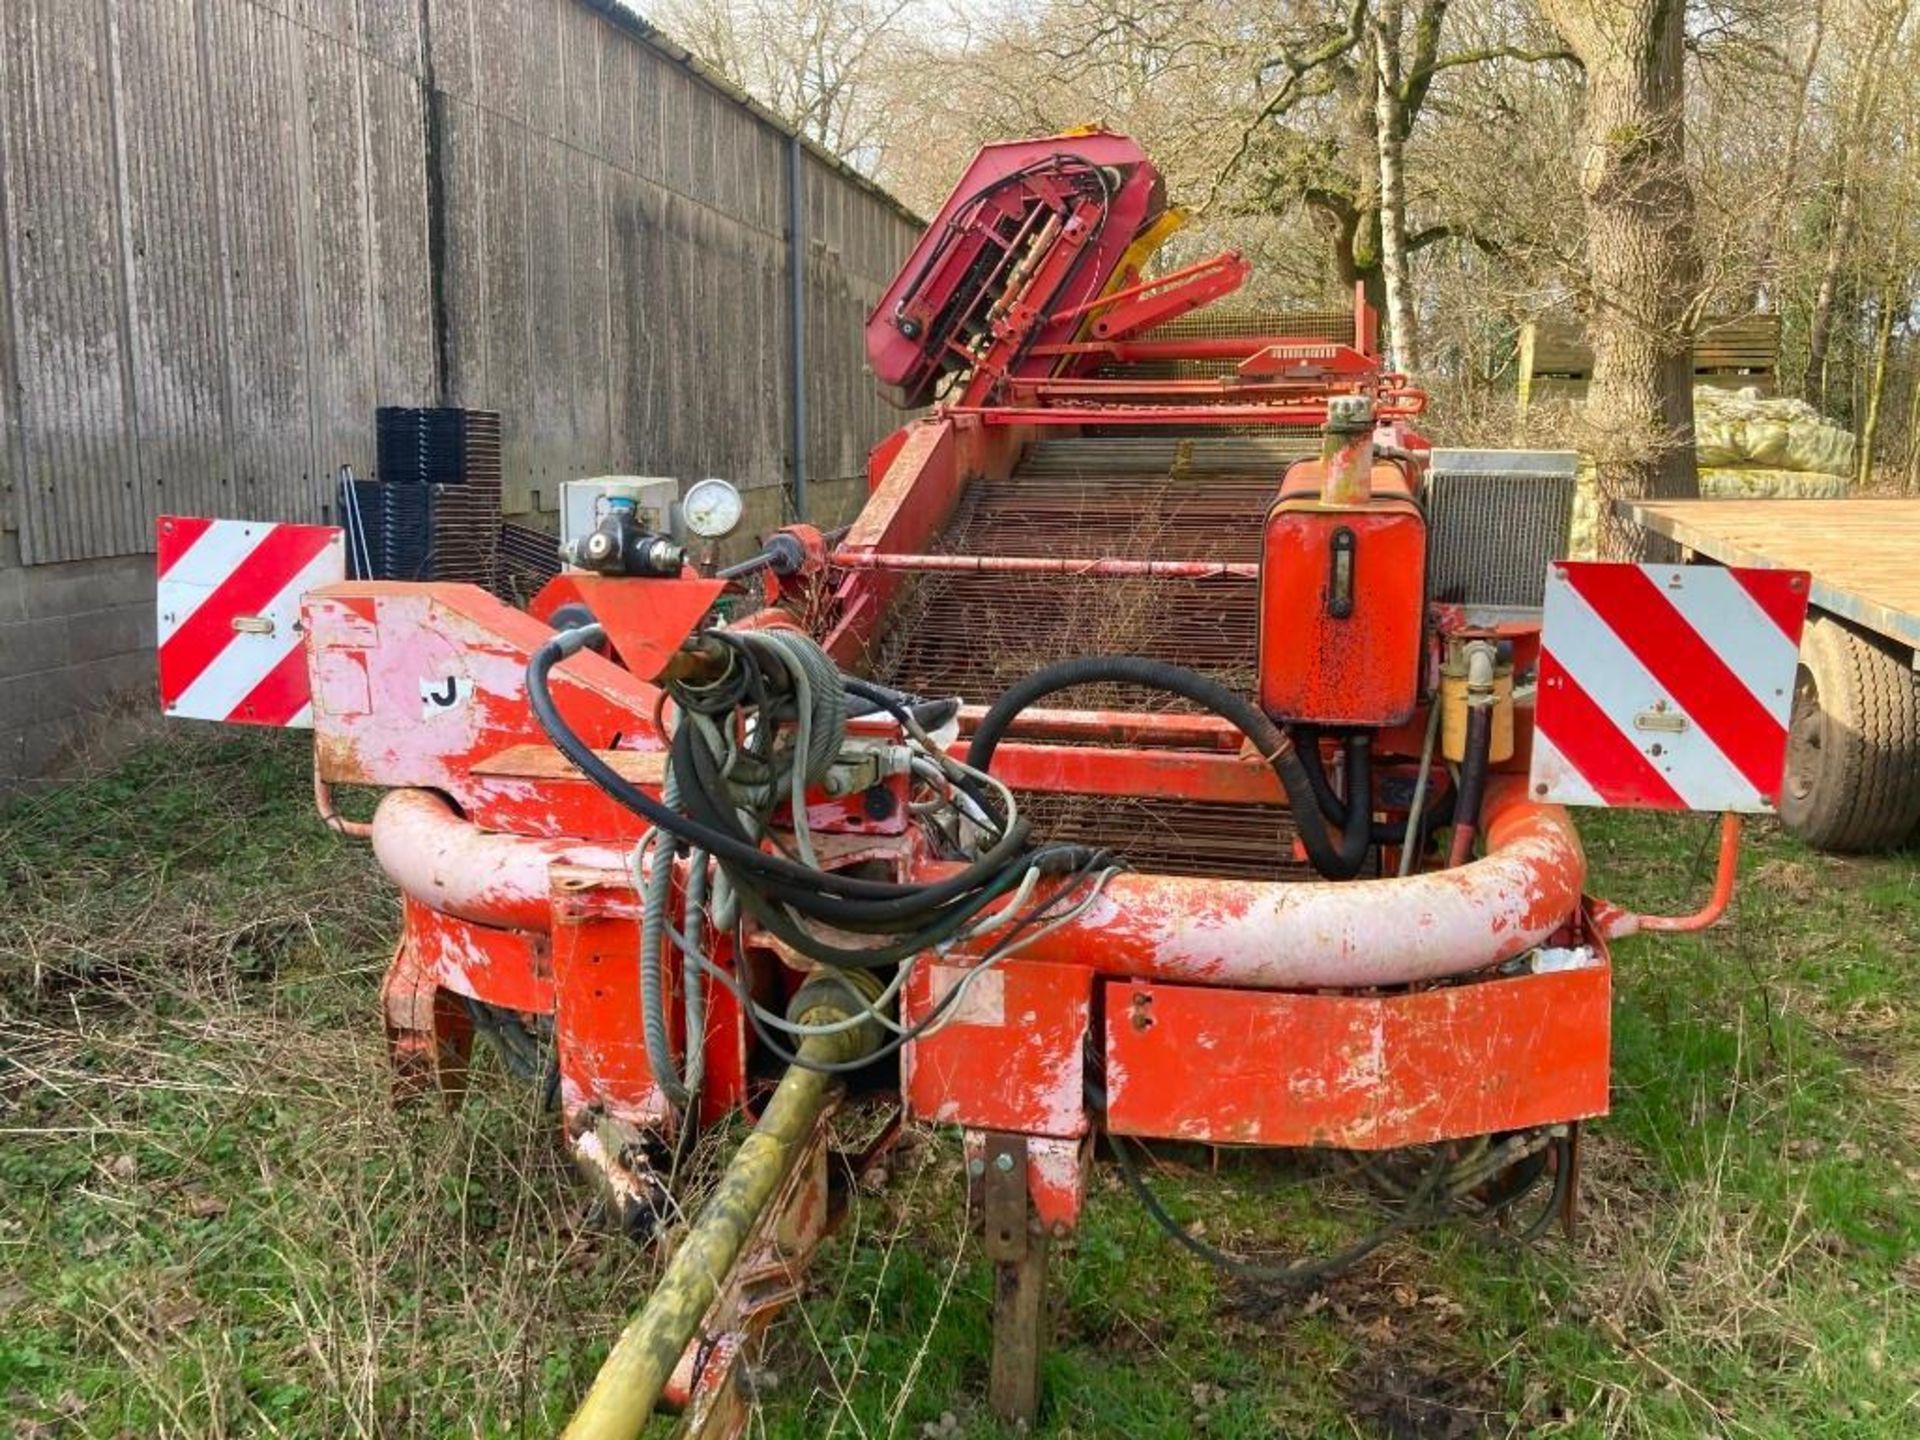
pixel 1282 935
pixel 449 864
pixel 1615 921
pixel 1339 935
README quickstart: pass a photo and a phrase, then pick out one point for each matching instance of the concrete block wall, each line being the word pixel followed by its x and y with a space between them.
pixel 76 638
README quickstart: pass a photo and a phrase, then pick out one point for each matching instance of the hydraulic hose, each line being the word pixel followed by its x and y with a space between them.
pixel 1335 857
pixel 728 844
pixel 1473 784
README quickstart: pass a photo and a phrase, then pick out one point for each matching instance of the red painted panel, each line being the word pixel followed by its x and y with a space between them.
pixel 1343 652
pixel 1011 1054
pixel 510 968
pixel 1358 1071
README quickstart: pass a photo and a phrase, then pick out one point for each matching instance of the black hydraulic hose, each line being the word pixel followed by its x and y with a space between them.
pixel 1306 739
pixel 724 845
pixel 1329 857
pixel 1473 784
pixel 1354 815
pixel 700 786
pixel 929 715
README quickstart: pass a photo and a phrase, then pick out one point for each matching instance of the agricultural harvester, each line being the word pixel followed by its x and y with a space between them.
pixel 1124 772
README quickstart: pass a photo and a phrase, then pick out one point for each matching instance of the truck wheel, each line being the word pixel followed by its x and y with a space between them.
pixel 1853 743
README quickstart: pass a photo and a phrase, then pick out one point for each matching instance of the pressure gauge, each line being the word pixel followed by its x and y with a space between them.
pixel 713 509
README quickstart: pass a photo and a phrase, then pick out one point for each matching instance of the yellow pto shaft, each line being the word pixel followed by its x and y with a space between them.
pixel 628 1386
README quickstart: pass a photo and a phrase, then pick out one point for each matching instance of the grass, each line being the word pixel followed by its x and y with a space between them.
pixel 213 1222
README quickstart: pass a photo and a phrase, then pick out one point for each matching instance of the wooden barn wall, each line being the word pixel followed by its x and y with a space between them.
pixel 230 228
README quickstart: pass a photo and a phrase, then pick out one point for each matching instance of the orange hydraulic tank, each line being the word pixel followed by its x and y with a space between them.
pixel 1343 600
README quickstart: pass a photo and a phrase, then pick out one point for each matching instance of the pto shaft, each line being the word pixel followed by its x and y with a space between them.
pixel 628 1386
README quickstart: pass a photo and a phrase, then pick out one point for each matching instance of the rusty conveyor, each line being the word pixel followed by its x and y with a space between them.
pixel 1159 497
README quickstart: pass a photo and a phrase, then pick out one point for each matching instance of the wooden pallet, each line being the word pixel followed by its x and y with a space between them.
pixel 1732 353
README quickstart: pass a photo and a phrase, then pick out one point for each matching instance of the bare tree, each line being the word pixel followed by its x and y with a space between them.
pixel 813 62
pixel 1855 143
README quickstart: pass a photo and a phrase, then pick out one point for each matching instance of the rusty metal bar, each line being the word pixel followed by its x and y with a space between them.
pixel 1113 727
pixel 628 1387
pixel 1107 568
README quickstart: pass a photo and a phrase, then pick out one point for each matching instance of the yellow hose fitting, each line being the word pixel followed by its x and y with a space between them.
pixel 1474 676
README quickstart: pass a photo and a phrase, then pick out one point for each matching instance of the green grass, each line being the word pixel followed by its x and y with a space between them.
pixel 213 1222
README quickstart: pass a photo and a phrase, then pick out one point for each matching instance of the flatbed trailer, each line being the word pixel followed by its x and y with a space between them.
pixel 1853 755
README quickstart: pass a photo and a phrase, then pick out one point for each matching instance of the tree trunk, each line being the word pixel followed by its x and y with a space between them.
pixel 1640 253
pixel 1861 114
pixel 1820 328
pixel 1876 389
pixel 1796 140
pixel 1910 481
pixel 1390 141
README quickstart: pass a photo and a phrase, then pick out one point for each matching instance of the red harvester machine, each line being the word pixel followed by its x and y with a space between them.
pixel 1138 765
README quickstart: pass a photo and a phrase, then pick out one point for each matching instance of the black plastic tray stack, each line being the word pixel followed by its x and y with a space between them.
pixel 528 559
pixel 432 512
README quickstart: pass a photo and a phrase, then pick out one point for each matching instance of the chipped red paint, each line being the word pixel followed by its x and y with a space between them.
pixel 1326 934
pixel 509 968
pixel 1008 1055
pixel 449 864
pixel 1363 1072
pixel 1056 1175
pixel 1205 775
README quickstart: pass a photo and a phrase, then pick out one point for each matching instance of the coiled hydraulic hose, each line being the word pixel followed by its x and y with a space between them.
pixel 800 885
pixel 779 892
pixel 1473 784
pixel 1338 857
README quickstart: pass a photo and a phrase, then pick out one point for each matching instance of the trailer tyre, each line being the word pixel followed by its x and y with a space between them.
pixel 1853 744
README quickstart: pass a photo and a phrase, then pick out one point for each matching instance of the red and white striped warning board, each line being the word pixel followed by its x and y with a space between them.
pixel 230 641
pixel 1666 687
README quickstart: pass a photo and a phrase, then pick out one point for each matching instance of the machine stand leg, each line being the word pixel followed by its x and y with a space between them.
pixel 429 1032
pixel 1019 1334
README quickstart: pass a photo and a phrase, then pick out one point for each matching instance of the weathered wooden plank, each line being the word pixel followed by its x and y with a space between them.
pixel 338 261
pixel 581 34
pixel 1864 554
pixel 650 84
pixel 501 35
pixel 543 59
pixel 390 34
pixel 451 46
pixel 13 440
pixel 217 261
pixel 509 386
pixel 548 421
pixel 403 338
pixel 626 324
pixel 619 94
pixel 587 302
pixel 464 200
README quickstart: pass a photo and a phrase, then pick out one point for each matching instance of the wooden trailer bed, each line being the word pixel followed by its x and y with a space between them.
pixel 1853 750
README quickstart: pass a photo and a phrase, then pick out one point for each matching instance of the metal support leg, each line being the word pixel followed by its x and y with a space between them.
pixel 429 1032
pixel 1018 1249
pixel 1019 1334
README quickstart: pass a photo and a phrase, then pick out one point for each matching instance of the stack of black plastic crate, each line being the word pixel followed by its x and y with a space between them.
pixel 432 510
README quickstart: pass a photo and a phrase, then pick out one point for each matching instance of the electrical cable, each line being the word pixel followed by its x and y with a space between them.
pixel 1414 838
pixel 729 845
pixel 1008 945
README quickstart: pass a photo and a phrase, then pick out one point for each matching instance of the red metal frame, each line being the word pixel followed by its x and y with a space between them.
pixel 1198 1004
